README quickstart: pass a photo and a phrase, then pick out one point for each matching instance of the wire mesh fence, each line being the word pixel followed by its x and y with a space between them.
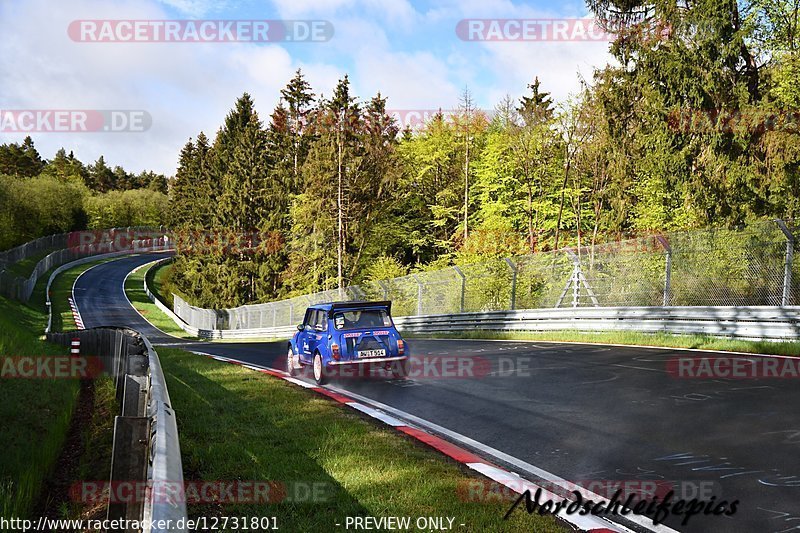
pixel 69 247
pixel 719 267
pixel 31 248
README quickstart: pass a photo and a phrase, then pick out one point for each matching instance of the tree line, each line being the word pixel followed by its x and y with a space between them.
pixel 41 197
pixel 696 124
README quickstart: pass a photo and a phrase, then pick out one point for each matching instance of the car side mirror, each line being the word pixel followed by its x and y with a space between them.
pixel 300 327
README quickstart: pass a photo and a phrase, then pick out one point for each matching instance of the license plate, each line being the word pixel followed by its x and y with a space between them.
pixel 364 354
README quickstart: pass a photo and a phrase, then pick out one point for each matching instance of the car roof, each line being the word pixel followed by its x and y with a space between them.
pixel 352 304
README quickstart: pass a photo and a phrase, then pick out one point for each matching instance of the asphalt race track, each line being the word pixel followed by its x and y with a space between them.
pixel 587 413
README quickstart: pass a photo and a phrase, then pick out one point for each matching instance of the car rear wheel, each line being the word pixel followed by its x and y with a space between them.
pixel 401 369
pixel 290 368
pixel 319 370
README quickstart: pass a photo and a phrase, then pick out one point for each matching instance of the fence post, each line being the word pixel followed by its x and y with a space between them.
pixel 513 282
pixel 667 269
pixel 787 265
pixel 419 295
pixel 463 287
pixel 384 288
pixel 667 278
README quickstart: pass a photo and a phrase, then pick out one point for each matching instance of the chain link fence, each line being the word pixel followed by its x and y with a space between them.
pixel 69 247
pixel 715 267
pixel 32 248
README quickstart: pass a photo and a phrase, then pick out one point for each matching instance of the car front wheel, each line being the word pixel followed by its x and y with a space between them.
pixel 319 370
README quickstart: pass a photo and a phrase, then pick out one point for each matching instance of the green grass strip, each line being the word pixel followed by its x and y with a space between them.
pixel 134 288
pixel 237 424
pixel 36 413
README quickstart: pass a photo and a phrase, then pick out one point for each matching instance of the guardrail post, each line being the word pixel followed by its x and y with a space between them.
pixel 129 464
pixel 787 265
pixel 513 282
pixel 463 287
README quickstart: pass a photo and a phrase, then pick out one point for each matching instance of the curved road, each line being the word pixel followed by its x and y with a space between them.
pixel 591 414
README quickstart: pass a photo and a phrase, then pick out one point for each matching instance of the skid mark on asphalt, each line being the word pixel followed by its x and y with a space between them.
pixel 783 516
pixel 641 368
pixel 792 438
pixel 614 377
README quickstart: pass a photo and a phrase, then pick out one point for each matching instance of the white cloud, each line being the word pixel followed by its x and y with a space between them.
pixel 186 87
pixel 412 57
pixel 196 8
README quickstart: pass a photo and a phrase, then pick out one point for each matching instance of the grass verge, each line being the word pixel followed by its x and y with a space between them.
pixel 703 342
pixel 97 439
pixel 36 413
pixel 156 278
pixel 134 288
pixel 236 424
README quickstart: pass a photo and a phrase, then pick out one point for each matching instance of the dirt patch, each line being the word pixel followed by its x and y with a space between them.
pixel 55 494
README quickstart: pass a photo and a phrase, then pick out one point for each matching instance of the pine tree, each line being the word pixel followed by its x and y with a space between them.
pixel 182 208
pixel 100 177
pixel 20 160
pixel 298 97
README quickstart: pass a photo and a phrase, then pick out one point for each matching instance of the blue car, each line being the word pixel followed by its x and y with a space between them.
pixel 345 336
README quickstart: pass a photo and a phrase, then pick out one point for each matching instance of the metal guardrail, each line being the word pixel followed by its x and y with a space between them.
pixel 772 323
pixel 146 449
pixel 754 323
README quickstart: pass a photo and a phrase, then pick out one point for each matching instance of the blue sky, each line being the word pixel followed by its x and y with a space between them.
pixel 407 50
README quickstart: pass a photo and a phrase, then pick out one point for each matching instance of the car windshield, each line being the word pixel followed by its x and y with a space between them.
pixel 362 318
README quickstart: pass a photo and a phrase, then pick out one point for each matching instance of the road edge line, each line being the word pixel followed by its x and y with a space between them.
pixel 589 523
